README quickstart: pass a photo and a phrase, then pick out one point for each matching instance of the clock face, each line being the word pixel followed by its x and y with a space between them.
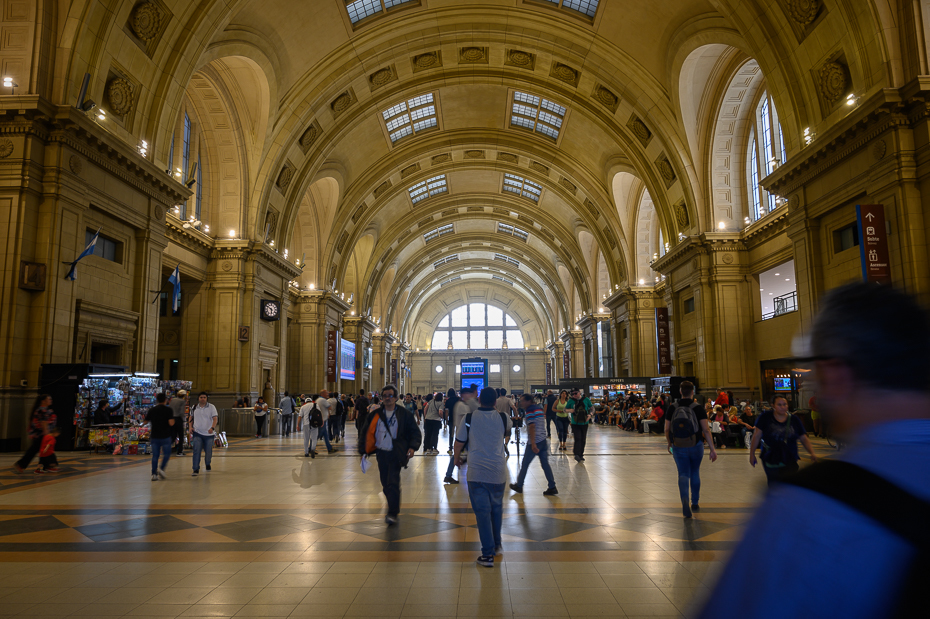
pixel 270 309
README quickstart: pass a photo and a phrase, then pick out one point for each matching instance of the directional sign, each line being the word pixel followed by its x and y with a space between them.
pixel 873 243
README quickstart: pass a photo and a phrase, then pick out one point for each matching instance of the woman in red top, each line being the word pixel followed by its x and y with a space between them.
pixel 719 417
pixel 40 420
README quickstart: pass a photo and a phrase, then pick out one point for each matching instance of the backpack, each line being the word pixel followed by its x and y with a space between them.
pixel 684 425
pixel 340 408
pixel 580 412
pixel 316 417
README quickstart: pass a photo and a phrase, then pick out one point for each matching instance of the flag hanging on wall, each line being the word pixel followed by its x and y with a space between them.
pixel 72 272
pixel 175 280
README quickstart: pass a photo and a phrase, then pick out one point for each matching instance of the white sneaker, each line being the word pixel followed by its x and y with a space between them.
pixel 154 477
pixel 161 474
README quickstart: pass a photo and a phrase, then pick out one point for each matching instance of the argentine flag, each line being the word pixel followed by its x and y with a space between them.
pixel 72 275
pixel 175 280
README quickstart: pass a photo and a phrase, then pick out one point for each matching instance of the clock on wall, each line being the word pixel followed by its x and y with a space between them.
pixel 271 310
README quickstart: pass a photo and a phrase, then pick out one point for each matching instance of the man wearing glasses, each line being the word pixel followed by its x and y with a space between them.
pixel 397 438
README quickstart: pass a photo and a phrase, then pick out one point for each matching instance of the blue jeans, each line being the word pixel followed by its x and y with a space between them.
pixel 451 468
pixel 543 454
pixel 202 443
pixel 688 461
pixel 487 501
pixel 325 432
pixel 561 427
pixel 162 446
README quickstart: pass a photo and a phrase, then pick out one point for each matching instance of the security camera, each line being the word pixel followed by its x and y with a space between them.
pixel 88 105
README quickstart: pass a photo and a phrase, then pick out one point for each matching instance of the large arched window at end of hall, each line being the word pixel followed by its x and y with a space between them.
pixel 477 326
pixel 764 153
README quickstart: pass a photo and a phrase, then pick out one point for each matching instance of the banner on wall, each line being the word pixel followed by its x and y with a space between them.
pixel 332 355
pixel 566 365
pixel 548 372
pixel 394 372
pixel 873 243
pixel 663 341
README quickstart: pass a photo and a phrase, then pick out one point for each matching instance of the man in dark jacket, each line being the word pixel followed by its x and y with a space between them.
pixel 397 438
pixel 361 411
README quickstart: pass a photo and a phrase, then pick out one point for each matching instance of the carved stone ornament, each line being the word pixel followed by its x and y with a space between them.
pixel 666 170
pixel 75 163
pixel 567 184
pixel 832 82
pixel 474 154
pixel 308 307
pixel 341 103
pixel 592 206
pixel 564 73
pixel 879 148
pixel 381 189
pixel 681 215
pixel 284 177
pixel 508 157
pixel 6 148
pixel 410 169
pixel 639 129
pixel 444 158
pixel 803 11
pixel 381 77
pixel 119 96
pixel 520 58
pixel 258 270
pixel 647 303
pixel 227 266
pixel 473 54
pixel 727 258
pixel 310 136
pixel 271 223
pixel 425 61
pixel 159 213
pixel 145 20
pixel 535 165
pixel 606 97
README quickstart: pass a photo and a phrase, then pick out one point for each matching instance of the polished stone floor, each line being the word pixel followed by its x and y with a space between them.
pixel 269 533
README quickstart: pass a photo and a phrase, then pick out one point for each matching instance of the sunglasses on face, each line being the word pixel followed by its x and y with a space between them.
pixel 388 397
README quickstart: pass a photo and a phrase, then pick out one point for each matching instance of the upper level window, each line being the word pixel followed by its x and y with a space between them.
pixel 427 188
pixel 450 280
pixel 106 248
pixel 586 7
pixel 498 278
pixel 445 260
pixel 522 187
pixel 438 232
pixel 513 231
pixel 199 199
pixel 506 259
pixel 537 114
pixel 362 9
pixel 765 153
pixel 410 117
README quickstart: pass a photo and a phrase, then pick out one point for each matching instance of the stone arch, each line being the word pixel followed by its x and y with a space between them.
pixel 309 229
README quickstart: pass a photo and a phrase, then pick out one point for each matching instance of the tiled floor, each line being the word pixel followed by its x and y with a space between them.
pixel 269 533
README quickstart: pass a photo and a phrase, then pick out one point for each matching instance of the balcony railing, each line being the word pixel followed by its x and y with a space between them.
pixel 784 304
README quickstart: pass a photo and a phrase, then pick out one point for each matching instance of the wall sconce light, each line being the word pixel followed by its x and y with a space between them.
pixel 101 114
pixel 8 83
pixel 144 148
pixel 232 234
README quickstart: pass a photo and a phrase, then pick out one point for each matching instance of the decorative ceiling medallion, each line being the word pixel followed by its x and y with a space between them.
pixel 342 241
pixel 145 20
pixel 410 169
pixel 310 135
pixel 508 157
pixel 567 184
pixel 342 102
pixel 284 177
pixel 381 77
pixel 666 170
pixel 444 158
pixel 535 165
pixel 473 55
pixel 606 97
pixel 681 215
pixel 727 258
pixel 227 266
pixel 639 129
pixel 804 11
pixel 564 73
pixel 429 60
pixel 271 224
pixel 474 154
pixel 520 59
pixel 611 239
pixel 449 212
pixel 500 211
pixel 592 206
pixel 75 163
pixel 475 209
pixel 119 96
pixel 382 188
pixel 358 213
pixel 832 82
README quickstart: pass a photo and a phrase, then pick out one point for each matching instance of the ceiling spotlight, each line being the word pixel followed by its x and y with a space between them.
pixel 101 114
pixel 851 99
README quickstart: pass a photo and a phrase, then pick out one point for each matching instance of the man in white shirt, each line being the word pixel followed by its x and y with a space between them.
pixel 203 423
pixel 310 434
pixel 327 407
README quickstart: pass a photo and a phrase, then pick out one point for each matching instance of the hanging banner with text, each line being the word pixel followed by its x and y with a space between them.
pixel 548 372
pixel 566 365
pixel 873 243
pixel 394 372
pixel 663 341
pixel 332 355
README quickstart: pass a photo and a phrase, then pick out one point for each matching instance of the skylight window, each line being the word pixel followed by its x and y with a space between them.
pixel 522 187
pixel 586 7
pixel 445 260
pixel 506 259
pixel 450 280
pixel 513 231
pixel 428 188
pixel 410 117
pixel 438 232
pixel 537 114
pixel 362 9
pixel 497 278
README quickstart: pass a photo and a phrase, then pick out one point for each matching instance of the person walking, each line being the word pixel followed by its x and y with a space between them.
pixel 203 424
pixel 452 399
pixel 178 404
pixel 311 419
pixel 539 446
pixel 779 432
pixel 326 409
pixel 484 431
pixel 432 425
pixel 361 411
pixel 460 409
pixel 41 418
pixel 579 408
pixel 261 412
pixel 550 413
pixel 686 430
pixel 397 438
pixel 561 418
pixel 287 414
pixel 859 518
pixel 161 433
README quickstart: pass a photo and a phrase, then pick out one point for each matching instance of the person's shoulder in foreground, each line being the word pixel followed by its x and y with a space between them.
pixel 807 555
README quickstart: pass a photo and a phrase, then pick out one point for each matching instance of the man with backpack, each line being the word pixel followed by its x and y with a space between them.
pixel 686 430
pixel 311 418
pixel 392 434
pixel 579 409
pixel 858 519
pixel 484 432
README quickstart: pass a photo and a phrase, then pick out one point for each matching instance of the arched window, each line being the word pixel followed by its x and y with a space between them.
pixel 477 326
pixel 187 147
pixel 766 152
